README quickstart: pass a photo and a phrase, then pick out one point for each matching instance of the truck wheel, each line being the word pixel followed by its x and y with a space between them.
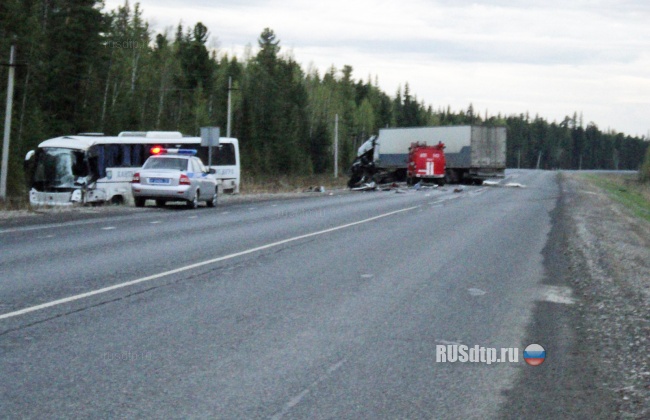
pixel 440 182
pixel 354 181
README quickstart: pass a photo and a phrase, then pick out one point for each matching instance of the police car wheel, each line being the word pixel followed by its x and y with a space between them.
pixel 194 202
pixel 213 202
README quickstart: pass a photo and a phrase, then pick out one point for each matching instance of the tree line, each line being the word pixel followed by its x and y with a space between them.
pixel 84 69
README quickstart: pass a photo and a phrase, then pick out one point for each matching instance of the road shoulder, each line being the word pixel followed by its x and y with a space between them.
pixel 597 364
pixel 613 246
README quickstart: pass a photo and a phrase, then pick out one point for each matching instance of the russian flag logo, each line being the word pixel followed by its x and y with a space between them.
pixel 534 354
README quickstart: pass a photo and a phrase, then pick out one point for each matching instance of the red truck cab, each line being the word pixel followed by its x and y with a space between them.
pixel 426 163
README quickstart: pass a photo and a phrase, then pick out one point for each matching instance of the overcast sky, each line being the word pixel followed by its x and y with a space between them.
pixel 546 57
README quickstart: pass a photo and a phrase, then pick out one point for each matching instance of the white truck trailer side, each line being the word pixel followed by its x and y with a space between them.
pixel 473 153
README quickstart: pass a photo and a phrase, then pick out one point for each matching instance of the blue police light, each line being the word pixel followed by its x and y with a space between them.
pixel 190 152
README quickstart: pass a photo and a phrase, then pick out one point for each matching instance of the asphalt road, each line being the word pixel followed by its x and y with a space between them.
pixel 326 307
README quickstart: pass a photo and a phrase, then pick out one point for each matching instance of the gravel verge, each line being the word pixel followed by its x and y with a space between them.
pixel 609 254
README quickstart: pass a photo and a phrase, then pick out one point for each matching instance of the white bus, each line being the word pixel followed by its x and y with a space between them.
pixel 93 168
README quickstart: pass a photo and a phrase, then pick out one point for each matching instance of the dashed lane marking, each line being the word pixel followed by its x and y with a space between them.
pixel 197 265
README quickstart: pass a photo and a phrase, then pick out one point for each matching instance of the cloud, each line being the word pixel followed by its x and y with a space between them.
pixel 553 57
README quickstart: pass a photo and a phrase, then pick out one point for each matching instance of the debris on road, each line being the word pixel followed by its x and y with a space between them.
pixel 369 186
pixel 514 185
pixel 320 189
pixel 507 185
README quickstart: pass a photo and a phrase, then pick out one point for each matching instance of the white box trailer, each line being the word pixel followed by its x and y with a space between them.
pixel 473 153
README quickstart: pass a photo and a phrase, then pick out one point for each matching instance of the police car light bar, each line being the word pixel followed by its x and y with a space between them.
pixel 159 151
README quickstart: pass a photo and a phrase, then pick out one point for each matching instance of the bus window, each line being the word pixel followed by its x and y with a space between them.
pixel 137 157
pixel 223 155
pixel 97 161
pixel 125 162
pixel 122 155
pixel 112 155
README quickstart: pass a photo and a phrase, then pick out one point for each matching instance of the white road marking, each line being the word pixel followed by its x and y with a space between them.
pixel 196 265
pixel 155 222
pixel 50 226
pixel 476 292
pixel 109 228
pixel 193 217
pixel 296 400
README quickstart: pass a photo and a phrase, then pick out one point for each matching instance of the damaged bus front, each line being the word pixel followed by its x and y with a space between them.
pixel 75 169
pixel 58 174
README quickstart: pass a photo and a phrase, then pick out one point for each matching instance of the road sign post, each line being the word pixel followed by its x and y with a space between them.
pixel 209 138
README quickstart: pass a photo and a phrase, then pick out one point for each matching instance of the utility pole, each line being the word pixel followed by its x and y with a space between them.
pixel 539 159
pixel 5 143
pixel 336 146
pixel 519 159
pixel 229 107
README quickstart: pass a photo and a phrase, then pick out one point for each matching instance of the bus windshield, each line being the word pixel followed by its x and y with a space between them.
pixel 58 168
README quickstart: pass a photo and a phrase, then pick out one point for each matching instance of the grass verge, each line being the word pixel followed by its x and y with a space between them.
pixel 14 204
pixel 627 190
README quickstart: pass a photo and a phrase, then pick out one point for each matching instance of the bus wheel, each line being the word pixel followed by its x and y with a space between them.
pixel 139 201
pixel 117 200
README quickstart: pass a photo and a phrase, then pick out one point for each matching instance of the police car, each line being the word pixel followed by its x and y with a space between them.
pixel 174 175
